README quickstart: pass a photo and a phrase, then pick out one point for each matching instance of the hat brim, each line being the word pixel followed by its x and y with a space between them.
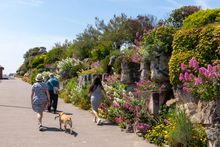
pixel 39 80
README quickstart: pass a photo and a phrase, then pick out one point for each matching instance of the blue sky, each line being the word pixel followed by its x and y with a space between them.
pixel 31 23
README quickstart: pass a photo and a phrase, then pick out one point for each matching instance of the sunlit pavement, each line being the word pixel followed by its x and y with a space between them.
pixel 19 125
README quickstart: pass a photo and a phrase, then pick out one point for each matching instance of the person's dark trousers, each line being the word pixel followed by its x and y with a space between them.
pixel 53 101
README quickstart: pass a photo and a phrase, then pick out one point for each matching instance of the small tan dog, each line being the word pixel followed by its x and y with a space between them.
pixel 66 120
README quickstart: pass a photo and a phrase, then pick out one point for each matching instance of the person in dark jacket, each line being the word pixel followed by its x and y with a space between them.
pixel 53 87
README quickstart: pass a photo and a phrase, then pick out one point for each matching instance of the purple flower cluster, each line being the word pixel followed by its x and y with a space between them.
pixel 143 127
pixel 193 63
pixel 198 79
pixel 210 72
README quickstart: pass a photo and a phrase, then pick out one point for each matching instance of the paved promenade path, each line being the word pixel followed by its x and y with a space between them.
pixel 18 124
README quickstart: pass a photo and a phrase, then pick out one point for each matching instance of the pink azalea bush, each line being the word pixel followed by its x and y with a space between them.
pixel 204 82
pixel 124 107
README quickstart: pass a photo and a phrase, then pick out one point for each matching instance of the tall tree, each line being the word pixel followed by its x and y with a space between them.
pixel 178 15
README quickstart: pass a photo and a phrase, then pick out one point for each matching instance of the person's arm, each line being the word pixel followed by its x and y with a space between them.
pixel 32 95
pixel 48 96
pixel 103 91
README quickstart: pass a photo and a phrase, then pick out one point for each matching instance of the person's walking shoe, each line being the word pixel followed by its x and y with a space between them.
pixel 40 128
pixel 99 122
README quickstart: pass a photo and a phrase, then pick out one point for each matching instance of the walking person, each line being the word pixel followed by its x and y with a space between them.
pixel 53 87
pixel 40 98
pixel 96 92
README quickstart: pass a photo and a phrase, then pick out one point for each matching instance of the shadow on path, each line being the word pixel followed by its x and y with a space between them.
pixel 45 128
pixel 107 122
pixel 58 111
pixel 21 107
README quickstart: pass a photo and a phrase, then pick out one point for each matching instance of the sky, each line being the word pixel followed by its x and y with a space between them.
pixel 26 24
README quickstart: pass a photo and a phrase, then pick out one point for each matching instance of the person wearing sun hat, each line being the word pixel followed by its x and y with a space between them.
pixel 40 98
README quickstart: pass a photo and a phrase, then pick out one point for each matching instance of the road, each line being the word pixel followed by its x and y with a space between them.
pixel 19 124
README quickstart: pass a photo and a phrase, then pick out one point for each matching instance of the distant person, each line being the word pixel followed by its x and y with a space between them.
pixel 40 98
pixel 96 92
pixel 53 87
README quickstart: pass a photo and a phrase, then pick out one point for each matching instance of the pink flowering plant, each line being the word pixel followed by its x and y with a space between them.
pixel 136 56
pixel 95 64
pixel 203 82
pixel 124 109
pixel 147 85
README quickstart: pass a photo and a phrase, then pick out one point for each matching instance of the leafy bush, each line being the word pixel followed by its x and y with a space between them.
pixel 38 61
pixel 202 17
pixel 64 95
pixel 186 39
pixel 199 136
pixel 69 67
pixel 158 40
pixel 178 15
pixel 54 55
pixel 159 133
pixel 202 43
pixel 182 134
pixel 34 73
pixel 78 96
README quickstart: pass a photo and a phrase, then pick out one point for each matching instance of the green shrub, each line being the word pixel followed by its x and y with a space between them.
pixel 38 61
pixel 54 55
pixel 201 43
pixel 159 40
pixel 33 76
pixel 177 16
pixel 199 136
pixel 69 67
pixel 202 17
pixel 209 43
pixel 182 134
pixel 78 96
pixel 186 39
pixel 64 95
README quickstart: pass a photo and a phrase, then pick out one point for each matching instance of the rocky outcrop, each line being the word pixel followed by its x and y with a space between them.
pixel 159 68
pixel 130 72
pixel 145 70
pixel 203 112
pixel 213 135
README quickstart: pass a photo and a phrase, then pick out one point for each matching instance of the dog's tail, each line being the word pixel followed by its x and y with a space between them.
pixel 56 117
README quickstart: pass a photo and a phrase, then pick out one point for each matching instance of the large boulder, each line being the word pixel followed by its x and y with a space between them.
pixel 203 112
pixel 130 72
pixel 145 70
pixel 159 68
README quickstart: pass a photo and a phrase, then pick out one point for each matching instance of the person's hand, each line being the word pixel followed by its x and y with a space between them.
pixel 48 103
